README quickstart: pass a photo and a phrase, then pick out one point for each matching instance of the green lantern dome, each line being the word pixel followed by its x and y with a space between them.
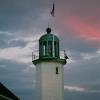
pixel 48 46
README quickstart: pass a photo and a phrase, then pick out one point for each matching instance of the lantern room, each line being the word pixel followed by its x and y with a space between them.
pixel 48 46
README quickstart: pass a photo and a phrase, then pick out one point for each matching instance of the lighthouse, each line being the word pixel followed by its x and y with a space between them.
pixel 49 68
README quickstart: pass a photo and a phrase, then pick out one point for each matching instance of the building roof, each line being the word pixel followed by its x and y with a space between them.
pixel 49 36
pixel 6 94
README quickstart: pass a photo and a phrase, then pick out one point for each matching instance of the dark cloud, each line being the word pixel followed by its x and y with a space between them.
pixel 76 45
pixel 83 72
pixel 81 96
pixel 22 14
pixel 9 40
pixel 19 43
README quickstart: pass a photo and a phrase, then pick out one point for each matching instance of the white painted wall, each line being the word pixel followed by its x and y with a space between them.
pixel 50 86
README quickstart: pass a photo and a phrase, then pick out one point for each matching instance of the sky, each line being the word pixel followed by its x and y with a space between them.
pixel 76 23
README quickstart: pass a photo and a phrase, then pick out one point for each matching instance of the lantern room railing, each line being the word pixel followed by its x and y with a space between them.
pixel 35 55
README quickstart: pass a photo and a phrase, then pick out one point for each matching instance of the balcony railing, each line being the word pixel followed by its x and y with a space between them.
pixel 35 55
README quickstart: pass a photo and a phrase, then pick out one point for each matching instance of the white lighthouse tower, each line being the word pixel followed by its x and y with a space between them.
pixel 49 68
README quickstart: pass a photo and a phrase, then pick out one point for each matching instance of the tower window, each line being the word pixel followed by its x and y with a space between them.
pixel 57 70
pixel 50 48
pixel 44 48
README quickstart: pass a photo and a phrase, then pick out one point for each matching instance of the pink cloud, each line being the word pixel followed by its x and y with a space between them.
pixel 82 29
pixel 82 18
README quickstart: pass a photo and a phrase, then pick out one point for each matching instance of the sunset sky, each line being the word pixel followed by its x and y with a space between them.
pixel 76 23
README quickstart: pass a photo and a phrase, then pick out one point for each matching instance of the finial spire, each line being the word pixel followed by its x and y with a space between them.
pixel 48 30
